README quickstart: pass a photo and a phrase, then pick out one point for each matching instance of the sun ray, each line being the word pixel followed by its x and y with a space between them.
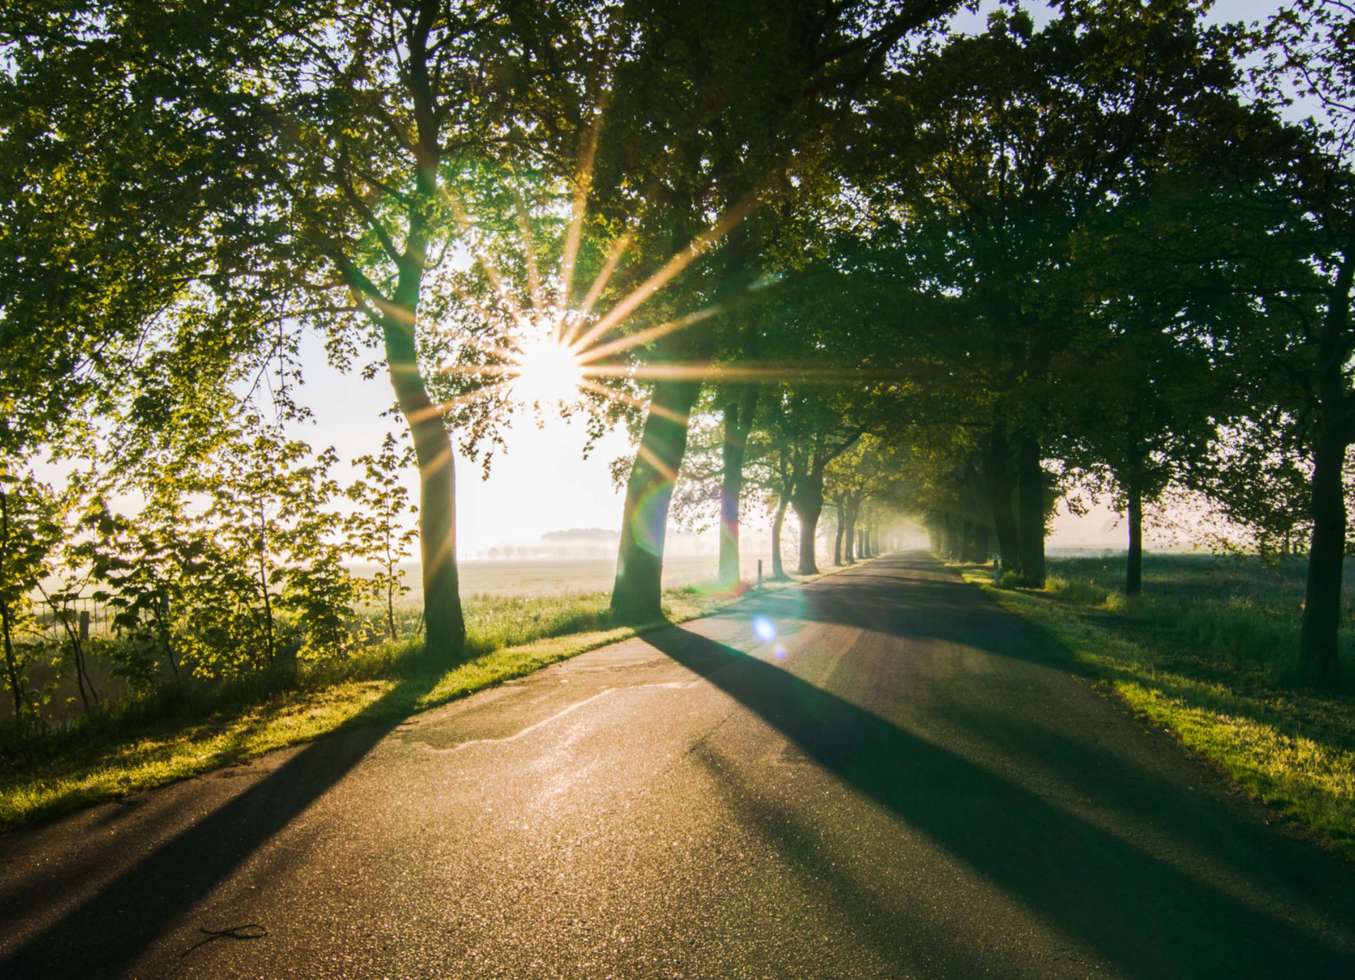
pixel 583 185
pixel 698 246
pixel 688 371
pixel 625 398
pixel 479 394
pixel 604 276
pixel 528 250
pixel 647 335
pixel 491 270
pixel 650 457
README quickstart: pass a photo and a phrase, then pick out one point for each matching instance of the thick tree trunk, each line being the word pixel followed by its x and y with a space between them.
pixel 1319 635
pixel 444 624
pixel 778 522
pixel 849 535
pixel 738 417
pixel 1031 510
pixel 1319 658
pixel 638 589
pixel 1133 576
pixel 837 536
pixel 999 484
pixel 978 541
pixel 807 500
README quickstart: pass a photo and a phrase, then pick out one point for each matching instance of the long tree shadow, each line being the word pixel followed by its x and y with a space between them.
pixel 104 934
pixel 1136 910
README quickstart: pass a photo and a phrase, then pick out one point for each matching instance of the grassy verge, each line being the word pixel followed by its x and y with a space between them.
pixel 1206 654
pixel 161 741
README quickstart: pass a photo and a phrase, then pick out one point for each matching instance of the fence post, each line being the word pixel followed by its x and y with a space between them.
pixel 84 625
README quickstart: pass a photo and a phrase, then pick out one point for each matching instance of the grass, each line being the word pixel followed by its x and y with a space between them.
pixel 1207 653
pixel 173 737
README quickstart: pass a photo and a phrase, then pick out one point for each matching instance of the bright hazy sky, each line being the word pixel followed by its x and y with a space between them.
pixel 543 483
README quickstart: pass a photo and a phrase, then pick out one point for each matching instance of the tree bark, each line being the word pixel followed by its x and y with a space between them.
pixel 778 569
pixel 638 589
pixel 978 541
pixel 849 536
pixel 1031 511
pixel 1133 576
pixel 738 417
pixel 1319 635
pixel 807 500
pixel 1319 650
pixel 444 623
pixel 837 537
pixel 999 484
pixel 12 672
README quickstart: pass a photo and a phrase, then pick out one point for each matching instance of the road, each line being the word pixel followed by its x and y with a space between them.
pixel 879 773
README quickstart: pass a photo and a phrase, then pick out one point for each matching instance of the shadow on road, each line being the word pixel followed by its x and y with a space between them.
pixel 1147 916
pixel 104 934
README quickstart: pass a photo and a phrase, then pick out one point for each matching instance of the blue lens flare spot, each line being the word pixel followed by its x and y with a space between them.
pixel 763 629
pixel 779 652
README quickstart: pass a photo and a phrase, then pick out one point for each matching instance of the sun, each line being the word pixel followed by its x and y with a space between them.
pixel 546 370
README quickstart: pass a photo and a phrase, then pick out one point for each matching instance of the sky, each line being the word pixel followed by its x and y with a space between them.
pixel 543 483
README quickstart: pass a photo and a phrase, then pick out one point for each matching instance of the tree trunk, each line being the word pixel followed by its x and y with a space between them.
pixel 12 673
pixel 1133 576
pixel 849 535
pixel 1319 657
pixel 1031 510
pixel 778 570
pixel 837 537
pixel 807 499
pixel 637 593
pixel 979 544
pixel 738 417
pixel 445 626
pixel 998 480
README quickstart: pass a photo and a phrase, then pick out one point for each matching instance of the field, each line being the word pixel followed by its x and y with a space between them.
pixel 1207 653
pixel 554 576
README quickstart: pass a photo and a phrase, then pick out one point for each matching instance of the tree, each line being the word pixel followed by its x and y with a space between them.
pixel 741 138
pixel 30 530
pixel 1310 44
pixel 994 154
pixel 376 527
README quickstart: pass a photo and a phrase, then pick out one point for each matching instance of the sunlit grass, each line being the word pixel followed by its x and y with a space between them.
pixel 1205 653
pixel 162 741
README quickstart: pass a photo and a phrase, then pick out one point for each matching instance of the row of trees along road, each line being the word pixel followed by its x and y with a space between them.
pixel 858 258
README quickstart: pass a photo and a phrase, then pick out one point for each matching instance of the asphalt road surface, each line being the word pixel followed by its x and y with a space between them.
pixel 877 774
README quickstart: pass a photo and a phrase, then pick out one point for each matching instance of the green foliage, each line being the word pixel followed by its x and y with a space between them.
pixel 30 530
pixel 377 530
